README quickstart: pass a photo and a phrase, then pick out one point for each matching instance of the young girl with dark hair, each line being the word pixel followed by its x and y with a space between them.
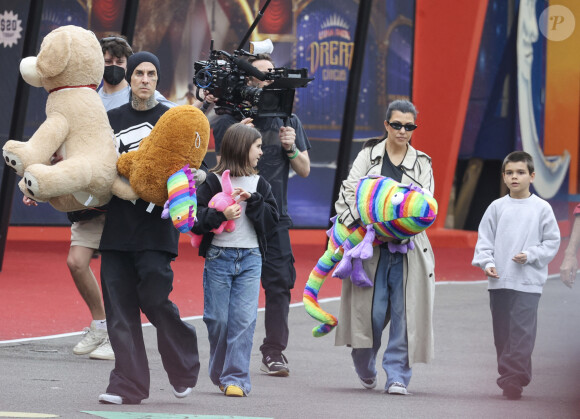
pixel 233 260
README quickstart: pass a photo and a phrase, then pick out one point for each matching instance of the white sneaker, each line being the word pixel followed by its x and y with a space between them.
pixel 91 341
pixel 109 398
pixel 181 391
pixel 397 388
pixel 104 351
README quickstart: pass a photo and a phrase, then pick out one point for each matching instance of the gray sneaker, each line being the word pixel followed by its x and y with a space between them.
pixel 275 365
pixel 92 339
pixel 104 351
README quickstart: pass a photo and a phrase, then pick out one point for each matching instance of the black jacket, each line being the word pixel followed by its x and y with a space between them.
pixel 261 209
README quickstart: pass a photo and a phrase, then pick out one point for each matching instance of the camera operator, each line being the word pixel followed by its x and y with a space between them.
pixel 283 147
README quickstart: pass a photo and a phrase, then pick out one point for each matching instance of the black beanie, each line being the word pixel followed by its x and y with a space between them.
pixel 141 57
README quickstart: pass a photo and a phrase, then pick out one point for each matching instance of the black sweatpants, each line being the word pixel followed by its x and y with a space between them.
pixel 514 316
pixel 278 277
pixel 142 281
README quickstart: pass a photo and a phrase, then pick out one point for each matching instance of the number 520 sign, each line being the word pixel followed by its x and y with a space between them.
pixel 10 29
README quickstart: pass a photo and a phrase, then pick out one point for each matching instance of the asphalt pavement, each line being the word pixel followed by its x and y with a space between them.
pixel 43 377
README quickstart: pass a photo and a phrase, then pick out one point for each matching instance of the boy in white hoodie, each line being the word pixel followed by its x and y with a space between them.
pixel 518 236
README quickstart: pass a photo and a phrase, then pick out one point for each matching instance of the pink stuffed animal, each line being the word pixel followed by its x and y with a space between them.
pixel 221 200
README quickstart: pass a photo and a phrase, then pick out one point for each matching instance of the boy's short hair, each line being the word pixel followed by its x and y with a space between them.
pixel 517 156
pixel 117 46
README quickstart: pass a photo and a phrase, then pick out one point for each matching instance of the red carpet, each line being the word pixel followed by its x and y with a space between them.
pixel 38 296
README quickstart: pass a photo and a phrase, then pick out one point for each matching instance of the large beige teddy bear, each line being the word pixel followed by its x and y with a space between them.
pixel 69 66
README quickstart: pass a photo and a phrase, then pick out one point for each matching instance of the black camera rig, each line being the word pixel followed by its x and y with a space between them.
pixel 225 76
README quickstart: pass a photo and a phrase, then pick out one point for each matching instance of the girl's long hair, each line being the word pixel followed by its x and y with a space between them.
pixel 235 151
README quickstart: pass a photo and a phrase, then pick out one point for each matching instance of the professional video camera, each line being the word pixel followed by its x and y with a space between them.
pixel 225 75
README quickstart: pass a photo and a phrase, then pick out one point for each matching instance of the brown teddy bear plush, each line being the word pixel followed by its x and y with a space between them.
pixel 69 66
pixel 180 137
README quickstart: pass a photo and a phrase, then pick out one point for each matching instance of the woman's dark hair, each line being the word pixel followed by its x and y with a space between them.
pixel 235 150
pixel 401 105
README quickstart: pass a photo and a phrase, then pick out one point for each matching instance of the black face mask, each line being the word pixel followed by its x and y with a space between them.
pixel 114 74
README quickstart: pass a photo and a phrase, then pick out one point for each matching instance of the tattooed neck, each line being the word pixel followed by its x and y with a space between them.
pixel 143 104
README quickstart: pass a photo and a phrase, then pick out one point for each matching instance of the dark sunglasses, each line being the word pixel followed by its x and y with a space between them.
pixel 118 39
pixel 397 126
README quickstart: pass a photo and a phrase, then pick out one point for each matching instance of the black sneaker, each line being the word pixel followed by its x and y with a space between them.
pixel 369 383
pixel 275 365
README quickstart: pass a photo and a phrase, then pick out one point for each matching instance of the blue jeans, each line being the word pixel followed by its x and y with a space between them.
pixel 388 291
pixel 231 287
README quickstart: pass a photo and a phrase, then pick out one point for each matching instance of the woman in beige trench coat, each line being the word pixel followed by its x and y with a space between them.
pixel 404 284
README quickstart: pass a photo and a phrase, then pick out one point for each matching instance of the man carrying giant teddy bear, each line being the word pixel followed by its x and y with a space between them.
pixel 137 247
pixel 87 224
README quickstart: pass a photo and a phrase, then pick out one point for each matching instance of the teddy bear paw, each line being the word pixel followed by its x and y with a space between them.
pixel 199 176
pixel 31 185
pixel 13 161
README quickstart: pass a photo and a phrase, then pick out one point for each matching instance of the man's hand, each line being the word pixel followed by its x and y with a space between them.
pixel 568 269
pixel 209 98
pixel 29 202
pixel 491 272
pixel 247 121
pixel 287 137
pixel 207 101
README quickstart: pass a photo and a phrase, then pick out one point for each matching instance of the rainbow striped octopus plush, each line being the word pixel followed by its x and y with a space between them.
pixel 387 208
pixel 182 203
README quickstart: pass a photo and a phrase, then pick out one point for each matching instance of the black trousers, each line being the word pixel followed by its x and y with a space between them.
pixel 142 281
pixel 514 316
pixel 278 277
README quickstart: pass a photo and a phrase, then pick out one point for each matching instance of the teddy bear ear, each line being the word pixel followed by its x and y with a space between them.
pixel 55 53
